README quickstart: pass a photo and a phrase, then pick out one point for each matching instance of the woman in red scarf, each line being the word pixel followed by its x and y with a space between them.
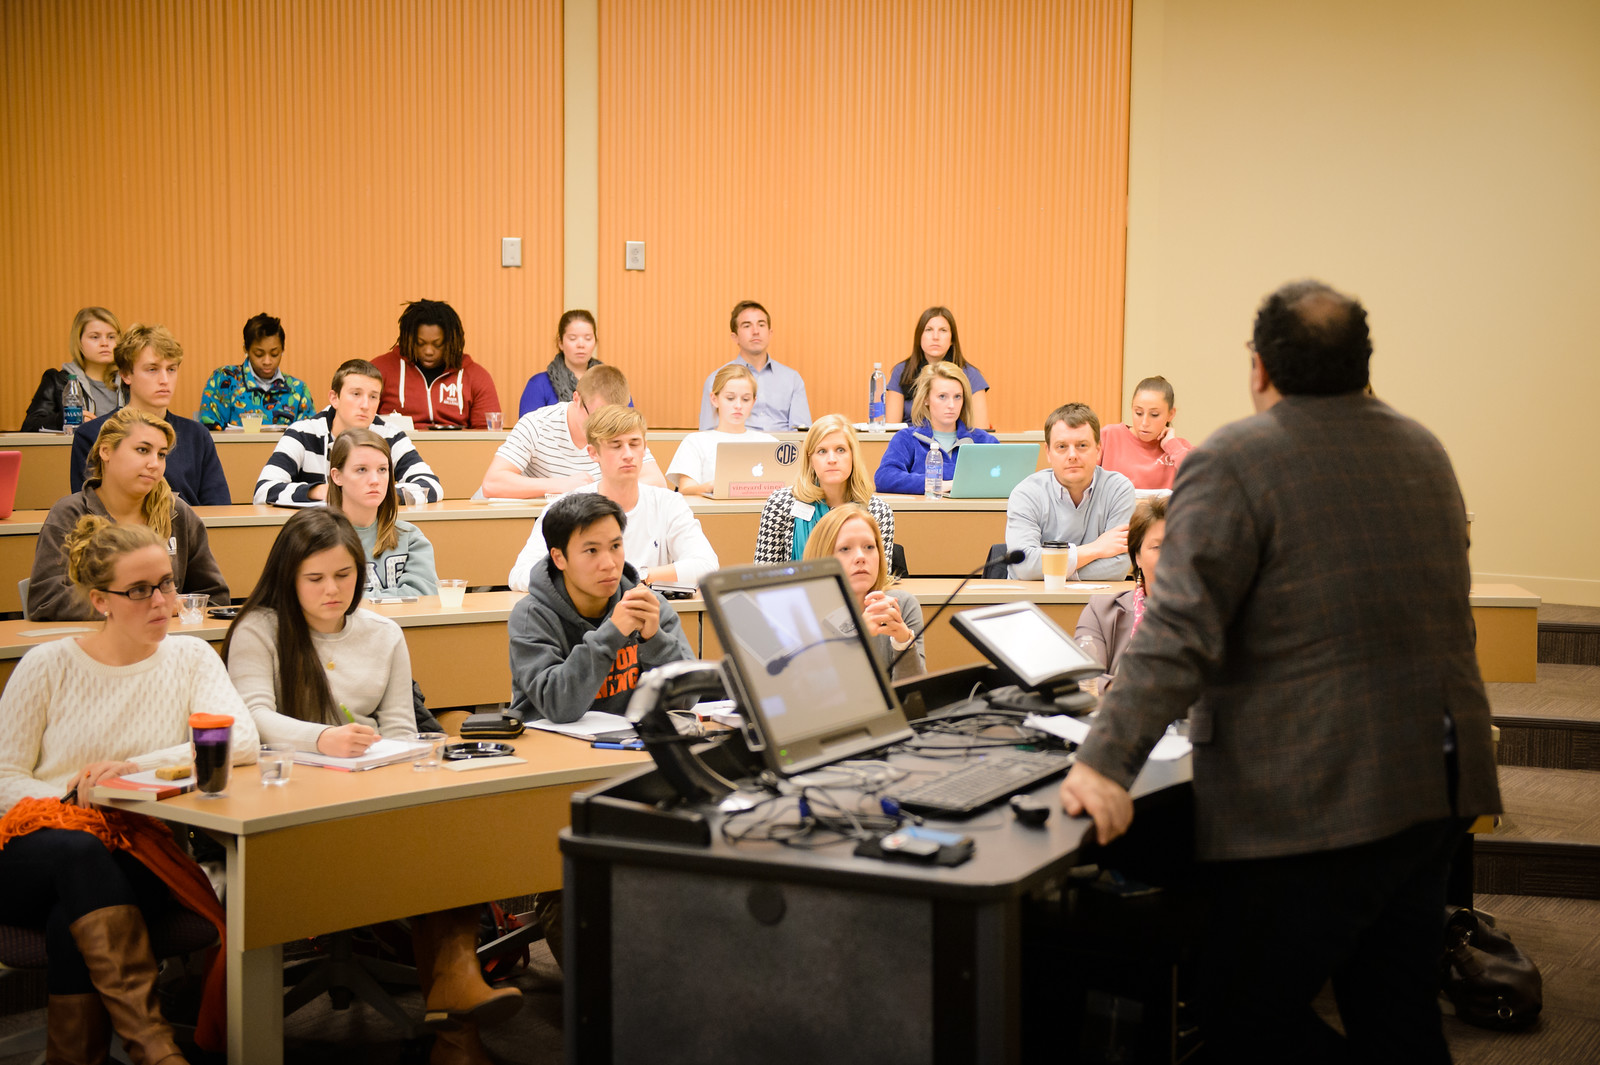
pixel 79 711
pixel 1108 622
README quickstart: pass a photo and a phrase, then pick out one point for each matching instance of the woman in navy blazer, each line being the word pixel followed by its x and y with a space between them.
pixel 941 395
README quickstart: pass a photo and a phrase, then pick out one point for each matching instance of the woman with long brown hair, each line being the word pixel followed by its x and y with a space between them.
pixel 320 673
pixel 935 338
pixel 361 484
pixel 125 483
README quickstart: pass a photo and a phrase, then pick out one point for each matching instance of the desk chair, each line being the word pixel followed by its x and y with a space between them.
pixel 174 933
pixel 994 566
pixel 897 563
pixel 345 975
pixel 22 593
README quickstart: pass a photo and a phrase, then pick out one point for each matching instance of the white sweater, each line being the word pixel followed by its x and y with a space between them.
pixel 367 664
pixel 662 531
pixel 63 710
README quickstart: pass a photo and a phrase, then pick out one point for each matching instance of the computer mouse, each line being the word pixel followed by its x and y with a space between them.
pixel 1029 811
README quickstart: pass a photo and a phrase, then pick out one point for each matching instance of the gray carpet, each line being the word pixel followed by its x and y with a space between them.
pixel 1561 691
pixel 1581 615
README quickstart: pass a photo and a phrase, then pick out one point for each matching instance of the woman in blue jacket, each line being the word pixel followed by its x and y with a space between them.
pixel 941 396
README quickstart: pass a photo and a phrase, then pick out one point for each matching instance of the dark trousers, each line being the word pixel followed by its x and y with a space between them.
pixel 1369 917
pixel 50 878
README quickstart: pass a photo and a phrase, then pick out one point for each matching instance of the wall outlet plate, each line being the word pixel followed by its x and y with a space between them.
pixel 510 251
pixel 633 258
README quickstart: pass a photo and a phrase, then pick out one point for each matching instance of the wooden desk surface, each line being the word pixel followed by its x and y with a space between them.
pixel 329 851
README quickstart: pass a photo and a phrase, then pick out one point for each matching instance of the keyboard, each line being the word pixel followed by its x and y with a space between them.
pixel 986 779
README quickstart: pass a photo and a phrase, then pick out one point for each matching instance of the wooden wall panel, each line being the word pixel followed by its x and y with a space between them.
pixel 196 163
pixel 850 163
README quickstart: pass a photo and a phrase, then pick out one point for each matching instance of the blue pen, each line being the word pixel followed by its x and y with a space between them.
pixel 626 745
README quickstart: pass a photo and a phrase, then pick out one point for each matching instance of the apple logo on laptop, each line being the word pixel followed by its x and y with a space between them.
pixel 995 473
pixel 757 470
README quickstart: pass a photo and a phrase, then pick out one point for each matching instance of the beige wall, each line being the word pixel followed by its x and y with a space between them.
pixel 1439 159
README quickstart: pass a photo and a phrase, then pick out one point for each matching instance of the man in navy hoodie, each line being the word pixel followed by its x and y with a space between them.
pixel 587 628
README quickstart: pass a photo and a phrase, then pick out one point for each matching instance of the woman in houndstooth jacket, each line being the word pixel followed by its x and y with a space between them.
pixel 831 476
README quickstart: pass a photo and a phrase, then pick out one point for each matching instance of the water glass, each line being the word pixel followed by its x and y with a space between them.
pixel 452 594
pixel 497 421
pixel 275 761
pixel 427 761
pixel 192 608
pixel 250 421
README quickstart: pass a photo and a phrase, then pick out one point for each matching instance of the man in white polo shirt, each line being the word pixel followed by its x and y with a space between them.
pixel 546 454
pixel 663 539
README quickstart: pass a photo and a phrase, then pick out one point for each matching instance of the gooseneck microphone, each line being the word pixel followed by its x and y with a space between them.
pixel 1013 557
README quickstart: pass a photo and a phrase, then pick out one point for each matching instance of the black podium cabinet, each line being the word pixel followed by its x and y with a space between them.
pixel 701 951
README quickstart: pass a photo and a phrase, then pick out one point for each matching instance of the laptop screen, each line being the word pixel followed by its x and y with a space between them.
pixel 1022 640
pixel 802 670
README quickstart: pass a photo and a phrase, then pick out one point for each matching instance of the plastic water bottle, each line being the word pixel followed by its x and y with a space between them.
pixel 933 484
pixel 876 387
pixel 73 402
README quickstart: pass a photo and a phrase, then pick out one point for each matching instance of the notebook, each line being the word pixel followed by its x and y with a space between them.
pixel 754 471
pixel 991 471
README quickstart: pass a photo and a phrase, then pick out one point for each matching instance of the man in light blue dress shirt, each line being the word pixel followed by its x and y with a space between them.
pixel 1076 501
pixel 780 393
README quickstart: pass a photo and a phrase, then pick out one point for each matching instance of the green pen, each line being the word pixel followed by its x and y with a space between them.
pixel 348 716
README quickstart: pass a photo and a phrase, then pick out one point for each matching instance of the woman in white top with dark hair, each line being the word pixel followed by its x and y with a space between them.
pixel 320 673
pixel 77 712
pixel 693 469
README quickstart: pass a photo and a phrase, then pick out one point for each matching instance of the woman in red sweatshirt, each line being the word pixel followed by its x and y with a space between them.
pixel 429 377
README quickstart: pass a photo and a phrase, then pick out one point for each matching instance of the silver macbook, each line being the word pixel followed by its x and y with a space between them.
pixel 991 471
pixel 754 471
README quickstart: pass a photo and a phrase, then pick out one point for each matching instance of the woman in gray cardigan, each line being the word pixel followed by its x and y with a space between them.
pixel 124 483
pixel 1107 623
pixel 850 533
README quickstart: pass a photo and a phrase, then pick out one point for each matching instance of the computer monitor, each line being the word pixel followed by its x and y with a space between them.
pixel 799 663
pixel 1026 646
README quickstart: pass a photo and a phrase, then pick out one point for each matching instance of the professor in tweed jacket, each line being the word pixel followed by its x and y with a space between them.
pixel 1314 599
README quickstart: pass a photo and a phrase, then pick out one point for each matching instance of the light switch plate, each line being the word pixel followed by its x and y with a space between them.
pixel 510 251
pixel 634 257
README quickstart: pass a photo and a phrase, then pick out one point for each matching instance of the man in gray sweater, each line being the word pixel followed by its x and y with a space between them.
pixel 587 628
pixel 1075 501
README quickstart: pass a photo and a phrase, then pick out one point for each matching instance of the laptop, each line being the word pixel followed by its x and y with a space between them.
pixel 754 471
pixel 991 471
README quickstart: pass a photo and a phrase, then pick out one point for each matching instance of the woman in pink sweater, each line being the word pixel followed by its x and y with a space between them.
pixel 1146 450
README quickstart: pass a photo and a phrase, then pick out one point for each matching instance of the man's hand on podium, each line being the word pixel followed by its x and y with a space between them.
pixel 1088 791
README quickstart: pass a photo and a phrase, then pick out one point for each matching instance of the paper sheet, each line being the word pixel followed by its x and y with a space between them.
pixel 586 727
pixel 1168 748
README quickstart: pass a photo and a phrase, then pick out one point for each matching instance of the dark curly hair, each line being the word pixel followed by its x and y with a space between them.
pixel 419 313
pixel 1313 340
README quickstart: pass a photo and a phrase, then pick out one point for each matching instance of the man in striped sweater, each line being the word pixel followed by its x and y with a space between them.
pixel 297 471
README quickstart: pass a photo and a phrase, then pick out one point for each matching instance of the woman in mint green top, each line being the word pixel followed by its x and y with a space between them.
pixel 361 483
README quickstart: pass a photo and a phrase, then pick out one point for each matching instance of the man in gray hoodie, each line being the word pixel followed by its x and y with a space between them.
pixel 587 628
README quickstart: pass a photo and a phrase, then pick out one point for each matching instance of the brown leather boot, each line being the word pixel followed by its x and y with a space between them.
pixel 446 945
pixel 459 1046
pixel 78 1032
pixel 116 947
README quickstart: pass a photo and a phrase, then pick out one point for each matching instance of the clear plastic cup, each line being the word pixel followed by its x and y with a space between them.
pixel 212 735
pixel 192 608
pixel 429 760
pixel 276 760
pixel 452 594
pixel 497 421
pixel 250 421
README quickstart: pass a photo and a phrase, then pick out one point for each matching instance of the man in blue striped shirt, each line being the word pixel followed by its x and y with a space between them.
pixel 297 471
